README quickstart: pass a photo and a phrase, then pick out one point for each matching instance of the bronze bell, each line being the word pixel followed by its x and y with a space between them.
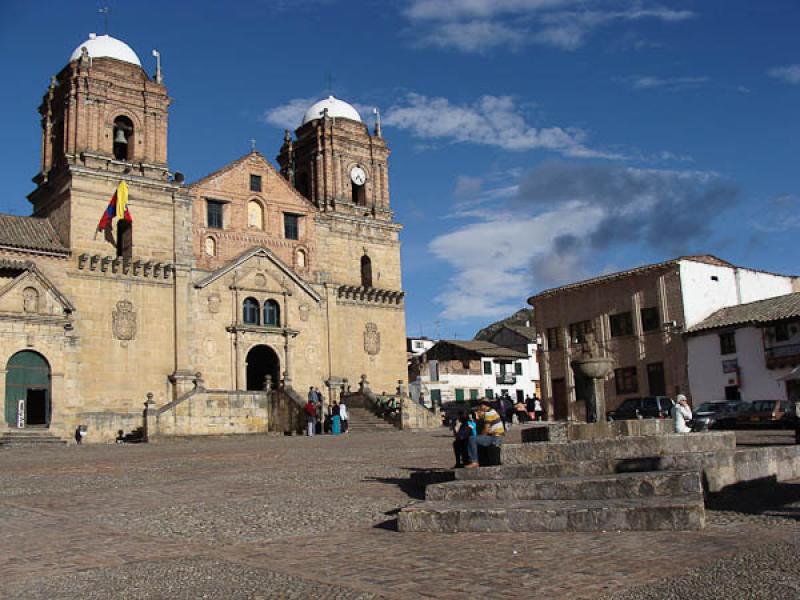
pixel 119 137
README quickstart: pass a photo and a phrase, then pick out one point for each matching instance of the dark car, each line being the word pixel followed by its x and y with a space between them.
pixel 717 415
pixel 766 413
pixel 648 407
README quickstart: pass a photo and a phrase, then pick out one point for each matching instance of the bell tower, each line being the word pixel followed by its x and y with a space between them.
pixel 336 163
pixel 104 120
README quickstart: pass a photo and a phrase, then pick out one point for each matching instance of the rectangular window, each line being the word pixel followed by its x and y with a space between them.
pixel 487 368
pixel 255 183
pixel 214 214
pixel 291 226
pixel 782 332
pixel 520 396
pixel 621 324
pixel 436 397
pixel 490 393
pixel 578 331
pixel 727 342
pixel 655 379
pixel 459 395
pixel 650 319
pixel 473 394
pixel 553 338
pixel 517 368
pixel 626 380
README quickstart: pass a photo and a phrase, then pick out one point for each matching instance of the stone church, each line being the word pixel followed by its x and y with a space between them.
pixel 252 276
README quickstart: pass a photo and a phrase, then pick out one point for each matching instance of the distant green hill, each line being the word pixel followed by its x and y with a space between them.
pixel 521 317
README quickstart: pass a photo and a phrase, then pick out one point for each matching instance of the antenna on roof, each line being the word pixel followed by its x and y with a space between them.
pixel 157 54
pixel 330 84
pixel 252 144
pixel 105 10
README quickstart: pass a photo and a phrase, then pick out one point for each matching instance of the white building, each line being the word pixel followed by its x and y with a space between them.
pixel 749 352
pixel 415 346
pixel 456 370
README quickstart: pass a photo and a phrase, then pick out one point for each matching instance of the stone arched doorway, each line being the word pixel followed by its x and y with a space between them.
pixel 262 361
pixel 28 385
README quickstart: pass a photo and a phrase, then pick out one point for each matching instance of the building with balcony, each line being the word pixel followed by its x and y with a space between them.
pixel 748 352
pixel 638 318
pixel 456 370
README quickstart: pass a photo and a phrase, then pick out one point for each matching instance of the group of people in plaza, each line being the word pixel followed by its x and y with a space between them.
pixel 334 422
pixel 484 427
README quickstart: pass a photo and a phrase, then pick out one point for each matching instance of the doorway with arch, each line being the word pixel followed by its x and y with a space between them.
pixel 262 361
pixel 28 389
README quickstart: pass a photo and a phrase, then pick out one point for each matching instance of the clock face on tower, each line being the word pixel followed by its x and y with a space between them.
pixel 358 176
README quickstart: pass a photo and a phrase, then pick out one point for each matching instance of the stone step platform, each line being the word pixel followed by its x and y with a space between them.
pixel 582 468
pixel 26 438
pixel 362 419
pixel 654 513
pixel 596 487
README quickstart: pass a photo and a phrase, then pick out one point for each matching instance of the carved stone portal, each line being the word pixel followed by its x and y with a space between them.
pixel 372 339
pixel 124 321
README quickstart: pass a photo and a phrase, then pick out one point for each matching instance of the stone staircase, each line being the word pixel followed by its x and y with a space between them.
pixel 362 420
pixel 29 437
pixel 633 484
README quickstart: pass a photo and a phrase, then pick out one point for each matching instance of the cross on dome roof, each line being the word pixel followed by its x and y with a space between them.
pixel 105 46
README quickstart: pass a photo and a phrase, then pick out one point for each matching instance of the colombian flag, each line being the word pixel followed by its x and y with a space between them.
pixel 117 207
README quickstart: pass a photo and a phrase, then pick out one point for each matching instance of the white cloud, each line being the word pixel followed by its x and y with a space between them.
pixel 490 121
pixel 481 25
pixel 780 214
pixel 563 222
pixel 288 115
pixel 649 82
pixel 789 73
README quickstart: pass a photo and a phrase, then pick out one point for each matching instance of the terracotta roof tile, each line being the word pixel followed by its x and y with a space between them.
pixel 756 313
pixel 29 233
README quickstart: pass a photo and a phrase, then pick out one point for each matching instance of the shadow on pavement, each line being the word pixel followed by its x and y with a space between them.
pixel 766 497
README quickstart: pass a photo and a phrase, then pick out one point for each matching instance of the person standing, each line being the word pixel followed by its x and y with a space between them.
pixel 537 408
pixel 343 415
pixel 336 419
pixel 311 416
pixel 681 413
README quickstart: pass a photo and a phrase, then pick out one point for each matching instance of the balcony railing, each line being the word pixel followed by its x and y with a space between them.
pixel 506 379
pixel 782 356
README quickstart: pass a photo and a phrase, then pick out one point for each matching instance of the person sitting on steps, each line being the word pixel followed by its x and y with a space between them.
pixel 491 432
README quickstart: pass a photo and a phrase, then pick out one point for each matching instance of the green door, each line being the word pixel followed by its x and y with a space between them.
pixel 459 395
pixel 28 379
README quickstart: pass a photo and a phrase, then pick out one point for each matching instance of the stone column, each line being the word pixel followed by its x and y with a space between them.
pixel 150 418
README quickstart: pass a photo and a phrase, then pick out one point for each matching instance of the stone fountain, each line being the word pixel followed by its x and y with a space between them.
pixel 594 367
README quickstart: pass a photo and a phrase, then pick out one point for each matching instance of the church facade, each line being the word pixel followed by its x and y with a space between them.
pixel 207 292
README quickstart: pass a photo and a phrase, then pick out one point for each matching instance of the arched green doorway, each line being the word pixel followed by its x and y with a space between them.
pixel 28 381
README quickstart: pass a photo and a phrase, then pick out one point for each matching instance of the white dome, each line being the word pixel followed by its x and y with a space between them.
pixel 107 47
pixel 336 108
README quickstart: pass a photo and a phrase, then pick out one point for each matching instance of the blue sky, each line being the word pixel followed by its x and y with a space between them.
pixel 535 142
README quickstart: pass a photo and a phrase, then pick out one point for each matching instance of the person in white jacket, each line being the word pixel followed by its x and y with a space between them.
pixel 681 413
pixel 343 416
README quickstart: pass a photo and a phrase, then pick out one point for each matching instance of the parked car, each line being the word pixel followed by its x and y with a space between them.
pixel 720 414
pixel 648 407
pixel 766 413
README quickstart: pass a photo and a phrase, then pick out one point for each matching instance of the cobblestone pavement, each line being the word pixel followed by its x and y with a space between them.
pixel 291 517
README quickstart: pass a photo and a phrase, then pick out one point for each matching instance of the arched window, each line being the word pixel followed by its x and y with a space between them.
pixel 366 272
pixel 301 261
pixel 250 312
pixel 30 300
pixel 272 313
pixel 359 195
pixel 123 138
pixel 211 246
pixel 255 214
